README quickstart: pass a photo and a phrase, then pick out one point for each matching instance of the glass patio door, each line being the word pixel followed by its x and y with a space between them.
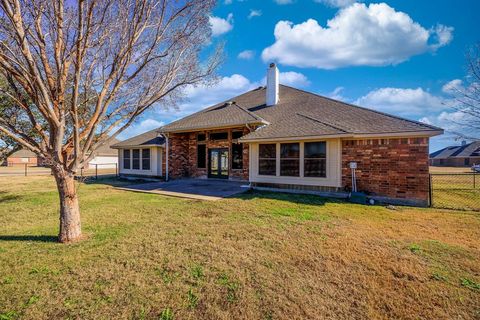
pixel 218 163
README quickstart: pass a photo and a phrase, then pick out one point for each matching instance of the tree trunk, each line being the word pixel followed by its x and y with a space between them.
pixel 70 226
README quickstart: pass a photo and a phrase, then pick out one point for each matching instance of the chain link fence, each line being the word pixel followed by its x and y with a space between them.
pixel 93 171
pixel 99 170
pixel 455 190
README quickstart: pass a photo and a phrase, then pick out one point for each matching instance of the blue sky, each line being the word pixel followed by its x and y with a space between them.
pixel 401 57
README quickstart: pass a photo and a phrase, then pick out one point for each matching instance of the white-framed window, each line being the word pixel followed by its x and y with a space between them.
pixel 145 159
pixel 290 159
pixel 267 159
pixel 315 159
pixel 136 159
pixel 126 158
pixel 293 159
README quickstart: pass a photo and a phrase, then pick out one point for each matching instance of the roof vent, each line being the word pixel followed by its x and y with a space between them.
pixel 272 85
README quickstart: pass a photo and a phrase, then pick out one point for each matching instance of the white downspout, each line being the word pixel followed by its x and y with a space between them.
pixel 166 157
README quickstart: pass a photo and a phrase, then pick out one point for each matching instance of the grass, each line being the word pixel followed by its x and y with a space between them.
pixel 456 191
pixel 450 169
pixel 256 256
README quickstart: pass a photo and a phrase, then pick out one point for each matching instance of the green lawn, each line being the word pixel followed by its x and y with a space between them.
pixel 258 256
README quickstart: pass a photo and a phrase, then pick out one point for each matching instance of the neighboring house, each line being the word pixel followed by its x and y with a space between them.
pixel 465 155
pixel 22 157
pixel 105 157
pixel 278 137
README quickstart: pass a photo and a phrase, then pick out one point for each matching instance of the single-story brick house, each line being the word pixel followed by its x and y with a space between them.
pixel 465 155
pixel 23 157
pixel 284 138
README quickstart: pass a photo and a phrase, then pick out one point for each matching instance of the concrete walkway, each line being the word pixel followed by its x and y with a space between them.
pixel 200 189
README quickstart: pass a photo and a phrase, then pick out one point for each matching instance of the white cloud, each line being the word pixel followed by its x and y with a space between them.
pixel 139 128
pixel 254 13
pixel 405 102
pixel 294 79
pixel 336 3
pixel 283 1
pixel 220 26
pixel 453 87
pixel 291 78
pixel 453 122
pixel 246 54
pixel 337 94
pixel 359 35
pixel 228 1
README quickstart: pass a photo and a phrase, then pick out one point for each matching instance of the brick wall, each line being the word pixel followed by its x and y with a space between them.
pixel 16 161
pixel 455 162
pixel 183 154
pixel 395 168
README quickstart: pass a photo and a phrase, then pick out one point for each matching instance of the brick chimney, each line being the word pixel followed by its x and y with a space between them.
pixel 272 85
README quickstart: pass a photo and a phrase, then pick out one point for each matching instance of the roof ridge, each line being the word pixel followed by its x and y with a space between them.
pixel 364 108
pixel 325 123
pixel 211 107
pixel 248 112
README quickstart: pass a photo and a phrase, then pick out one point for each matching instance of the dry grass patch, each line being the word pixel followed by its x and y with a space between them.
pixel 257 256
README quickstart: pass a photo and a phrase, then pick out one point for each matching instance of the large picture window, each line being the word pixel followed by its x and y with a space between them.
pixel 145 159
pixel 267 160
pixel 237 155
pixel 126 159
pixel 136 159
pixel 315 159
pixel 201 156
pixel 290 159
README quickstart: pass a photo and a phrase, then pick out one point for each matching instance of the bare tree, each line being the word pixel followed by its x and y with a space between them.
pixel 467 99
pixel 80 72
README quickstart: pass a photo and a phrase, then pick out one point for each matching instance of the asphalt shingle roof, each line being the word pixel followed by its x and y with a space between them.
pixel 23 153
pixel 297 114
pixel 106 150
pixel 469 150
pixel 148 138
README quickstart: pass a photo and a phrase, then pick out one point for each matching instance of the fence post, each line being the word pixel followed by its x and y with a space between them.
pixel 474 174
pixel 430 194
pixel 96 171
pixel 25 169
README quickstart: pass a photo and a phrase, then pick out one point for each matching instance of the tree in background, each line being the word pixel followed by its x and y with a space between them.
pixel 467 99
pixel 80 72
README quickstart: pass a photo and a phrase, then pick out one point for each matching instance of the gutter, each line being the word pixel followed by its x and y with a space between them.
pixel 351 136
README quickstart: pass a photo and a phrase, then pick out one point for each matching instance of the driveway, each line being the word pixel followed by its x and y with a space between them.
pixel 200 189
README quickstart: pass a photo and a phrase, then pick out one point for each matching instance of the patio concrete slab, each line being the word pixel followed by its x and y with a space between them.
pixel 200 189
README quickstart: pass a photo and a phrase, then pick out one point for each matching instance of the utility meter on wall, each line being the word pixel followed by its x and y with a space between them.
pixel 353 165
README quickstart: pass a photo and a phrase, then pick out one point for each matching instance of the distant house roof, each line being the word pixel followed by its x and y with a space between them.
pixel 23 153
pixel 106 149
pixel 150 138
pixel 297 114
pixel 468 150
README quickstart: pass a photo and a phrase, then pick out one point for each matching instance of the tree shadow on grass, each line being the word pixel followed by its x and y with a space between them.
pixel 5 197
pixel 308 199
pixel 29 238
pixel 110 181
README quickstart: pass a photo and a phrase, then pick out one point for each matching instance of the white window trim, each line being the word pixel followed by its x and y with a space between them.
pixel 302 161
pixel 129 158
pixel 149 159
pixel 140 158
